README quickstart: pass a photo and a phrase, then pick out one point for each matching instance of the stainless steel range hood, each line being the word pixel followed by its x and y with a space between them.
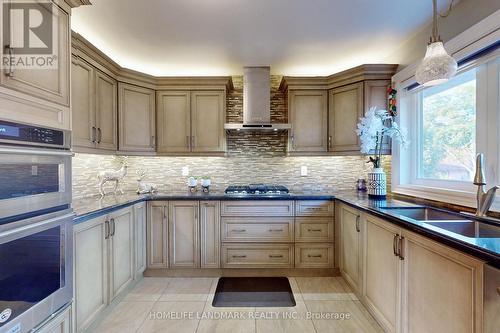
pixel 257 102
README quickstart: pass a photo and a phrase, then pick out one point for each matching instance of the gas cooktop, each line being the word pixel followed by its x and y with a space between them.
pixel 257 189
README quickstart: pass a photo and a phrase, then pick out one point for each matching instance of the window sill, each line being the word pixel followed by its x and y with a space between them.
pixel 456 197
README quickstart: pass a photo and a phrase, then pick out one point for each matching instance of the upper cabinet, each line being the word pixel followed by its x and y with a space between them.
pixel 191 121
pixel 38 95
pixel 136 114
pixel 308 116
pixel 94 107
pixel 324 111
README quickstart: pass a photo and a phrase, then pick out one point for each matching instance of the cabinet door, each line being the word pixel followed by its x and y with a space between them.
pixel 210 234
pixel 375 95
pixel 183 231
pixel 344 110
pixel 350 239
pixel 121 250
pixel 382 271
pixel 174 121
pixel 90 271
pixel 136 115
pixel 308 115
pixel 157 234
pixel 442 288
pixel 106 111
pixel 82 105
pixel 51 84
pixel 207 121
pixel 140 238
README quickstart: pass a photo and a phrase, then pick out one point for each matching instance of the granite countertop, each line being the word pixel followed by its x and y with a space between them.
pixel 487 249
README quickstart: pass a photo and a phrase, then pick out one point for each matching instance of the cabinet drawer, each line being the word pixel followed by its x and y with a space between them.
pixel 257 208
pixel 314 255
pixel 263 229
pixel 257 255
pixel 314 229
pixel 314 208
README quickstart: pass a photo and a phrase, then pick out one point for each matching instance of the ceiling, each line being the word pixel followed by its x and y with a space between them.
pixel 219 37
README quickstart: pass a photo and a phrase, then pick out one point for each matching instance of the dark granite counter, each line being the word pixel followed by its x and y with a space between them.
pixel 487 249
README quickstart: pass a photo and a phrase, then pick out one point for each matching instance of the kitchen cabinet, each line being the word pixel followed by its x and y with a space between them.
pixel 50 84
pixel 252 208
pixel 157 234
pixel 140 232
pixel 375 95
pixel 183 234
pixel 61 323
pixel 308 112
pixel 94 107
pixel 344 110
pixel 210 234
pixel 257 229
pixel 191 121
pixel 442 288
pixel 136 118
pixel 40 96
pixel 103 265
pixel 382 272
pixel 314 255
pixel 245 255
pixel 350 241
pixel 90 271
pixel 121 247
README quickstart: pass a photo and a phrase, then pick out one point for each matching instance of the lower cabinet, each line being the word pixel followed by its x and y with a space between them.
pixel 183 234
pixel 247 255
pixel 210 234
pixel 157 234
pixel 103 263
pixel 314 255
pixel 140 232
pixel 61 323
pixel 350 245
pixel 382 271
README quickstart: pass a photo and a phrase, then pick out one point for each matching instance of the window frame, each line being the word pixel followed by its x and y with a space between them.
pixel 404 161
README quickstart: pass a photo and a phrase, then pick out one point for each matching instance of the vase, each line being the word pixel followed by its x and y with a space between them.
pixel 377 183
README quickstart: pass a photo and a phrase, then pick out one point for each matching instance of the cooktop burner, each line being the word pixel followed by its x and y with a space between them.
pixel 257 189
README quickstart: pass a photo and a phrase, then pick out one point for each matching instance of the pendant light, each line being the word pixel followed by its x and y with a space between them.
pixel 437 66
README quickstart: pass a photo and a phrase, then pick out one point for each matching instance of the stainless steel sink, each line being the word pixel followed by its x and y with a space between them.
pixel 423 213
pixel 471 229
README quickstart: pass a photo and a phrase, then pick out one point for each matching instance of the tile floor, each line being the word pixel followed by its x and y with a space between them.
pixel 184 305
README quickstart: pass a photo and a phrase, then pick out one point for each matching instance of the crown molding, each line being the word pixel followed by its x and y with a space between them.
pixel 77 3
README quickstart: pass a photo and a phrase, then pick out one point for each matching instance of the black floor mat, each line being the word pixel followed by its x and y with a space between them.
pixel 253 291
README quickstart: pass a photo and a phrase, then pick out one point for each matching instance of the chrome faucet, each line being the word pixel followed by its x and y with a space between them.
pixel 484 199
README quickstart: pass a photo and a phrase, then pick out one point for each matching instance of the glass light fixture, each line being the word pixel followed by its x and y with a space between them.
pixel 437 66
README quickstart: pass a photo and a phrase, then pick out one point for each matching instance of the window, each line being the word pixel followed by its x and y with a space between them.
pixel 447 129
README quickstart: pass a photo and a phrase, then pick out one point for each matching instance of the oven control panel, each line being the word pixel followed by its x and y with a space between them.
pixel 32 135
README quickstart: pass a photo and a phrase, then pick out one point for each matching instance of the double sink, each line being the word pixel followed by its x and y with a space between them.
pixel 448 221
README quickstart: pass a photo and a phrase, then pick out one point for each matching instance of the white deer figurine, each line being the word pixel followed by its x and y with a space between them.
pixel 112 176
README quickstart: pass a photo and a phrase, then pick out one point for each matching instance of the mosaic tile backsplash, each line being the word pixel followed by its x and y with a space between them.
pixel 326 173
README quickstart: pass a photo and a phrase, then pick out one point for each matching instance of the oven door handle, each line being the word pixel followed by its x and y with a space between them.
pixel 14 233
pixel 21 151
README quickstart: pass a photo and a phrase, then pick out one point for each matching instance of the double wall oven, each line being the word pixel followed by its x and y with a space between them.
pixel 36 225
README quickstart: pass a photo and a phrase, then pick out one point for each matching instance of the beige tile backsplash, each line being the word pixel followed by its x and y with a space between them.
pixel 325 173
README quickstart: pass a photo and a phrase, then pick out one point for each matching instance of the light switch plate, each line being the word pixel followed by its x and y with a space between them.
pixel 303 171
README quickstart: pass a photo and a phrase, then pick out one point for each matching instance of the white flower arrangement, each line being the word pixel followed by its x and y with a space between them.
pixel 372 129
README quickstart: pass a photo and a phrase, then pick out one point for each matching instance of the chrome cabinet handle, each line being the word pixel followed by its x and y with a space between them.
pixel 99 135
pixel 10 71
pixel 315 230
pixel 293 141
pixel 277 230
pixel 113 227
pixel 395 245
pixel 106 229
pixel 400 247
pixel 94 129
pixel 316 209
pixel 239 256
pixel 275 256
pixel 239 230
pixel 357 223
pixel 314 255
pixel 153 141
pixel 329 141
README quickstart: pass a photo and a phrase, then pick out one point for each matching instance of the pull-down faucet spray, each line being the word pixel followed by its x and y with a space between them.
pixel 484 198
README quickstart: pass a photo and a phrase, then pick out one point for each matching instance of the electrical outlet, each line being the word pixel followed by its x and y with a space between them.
pixel 185 170
pixel 303 171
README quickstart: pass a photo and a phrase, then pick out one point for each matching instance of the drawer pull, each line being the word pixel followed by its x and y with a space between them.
pixel 311 230
pixel 275 256
pixel 239 230
pixel 239 256
pixel 277 230
pixel 314 208
pixel 314 256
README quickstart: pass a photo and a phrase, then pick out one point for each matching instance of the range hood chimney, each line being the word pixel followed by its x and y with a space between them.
pixel 257 102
